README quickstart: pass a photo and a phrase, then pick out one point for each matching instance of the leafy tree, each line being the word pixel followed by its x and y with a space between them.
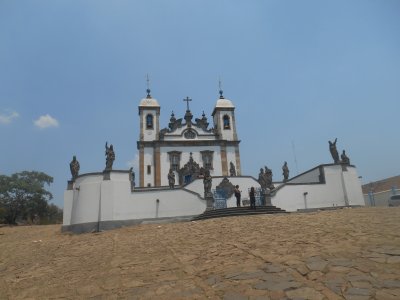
pixel 23 195
pixel 54 215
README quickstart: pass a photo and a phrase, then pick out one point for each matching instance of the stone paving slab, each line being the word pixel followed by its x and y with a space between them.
pixel 343 254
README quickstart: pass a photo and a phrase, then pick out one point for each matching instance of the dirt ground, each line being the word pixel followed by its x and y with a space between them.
pixel 342 254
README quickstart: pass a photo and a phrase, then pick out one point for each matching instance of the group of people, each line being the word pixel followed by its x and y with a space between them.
pixel 252 195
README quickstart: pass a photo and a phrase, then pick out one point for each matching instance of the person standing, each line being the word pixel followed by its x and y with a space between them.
pixel 252 195
pixel 237 195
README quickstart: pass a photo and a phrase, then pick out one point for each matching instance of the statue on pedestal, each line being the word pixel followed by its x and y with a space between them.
pixel 334 152
pixel 268 178
pixel 261 179
pixel 232 169
pixel 110 157
pixel 171 179
pixel 74 167
pixel 345 158
pixel 207 181
pixel 285 172
pixel 132 177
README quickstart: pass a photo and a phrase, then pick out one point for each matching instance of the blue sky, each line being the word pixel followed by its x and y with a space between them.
pixel 300 73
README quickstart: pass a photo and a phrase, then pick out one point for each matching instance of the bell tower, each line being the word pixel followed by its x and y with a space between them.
pixel 149 156
pixel 225 129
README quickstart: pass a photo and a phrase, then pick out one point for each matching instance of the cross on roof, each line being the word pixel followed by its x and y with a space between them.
pixel 187 99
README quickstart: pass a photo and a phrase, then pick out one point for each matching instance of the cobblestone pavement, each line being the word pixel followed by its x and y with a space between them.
pixel 342 254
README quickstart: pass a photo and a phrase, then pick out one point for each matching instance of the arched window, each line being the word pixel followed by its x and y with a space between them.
pixel 227 122
pixel 149 121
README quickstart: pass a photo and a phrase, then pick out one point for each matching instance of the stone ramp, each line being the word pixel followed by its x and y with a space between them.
pixel 238 211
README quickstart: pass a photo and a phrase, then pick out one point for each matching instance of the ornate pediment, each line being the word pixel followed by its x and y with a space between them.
pixel 189 134
pixel 190 171
pixel 174 124
pixel 226 187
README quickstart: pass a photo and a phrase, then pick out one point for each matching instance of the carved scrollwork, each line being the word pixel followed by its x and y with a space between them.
pixel 190 171
pixel 189 134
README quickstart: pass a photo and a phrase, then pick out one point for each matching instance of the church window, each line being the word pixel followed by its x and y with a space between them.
pixel 149 121
pixel 227 122
pixel 207 157
pixel 174 160
pixel 148 169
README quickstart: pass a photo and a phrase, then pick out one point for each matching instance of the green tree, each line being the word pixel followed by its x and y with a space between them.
pixel 54 215
pixel 23 195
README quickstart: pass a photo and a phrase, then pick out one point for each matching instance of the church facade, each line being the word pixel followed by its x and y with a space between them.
pixel 187 147
pixel 191 149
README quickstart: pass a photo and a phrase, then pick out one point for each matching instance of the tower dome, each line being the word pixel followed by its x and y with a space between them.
pixel 224 103
pixel 148 101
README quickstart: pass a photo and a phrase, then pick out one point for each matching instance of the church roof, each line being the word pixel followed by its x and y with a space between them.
pixel 149 102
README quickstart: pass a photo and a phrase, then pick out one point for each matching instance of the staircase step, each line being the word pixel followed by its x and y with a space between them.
pixel 238 211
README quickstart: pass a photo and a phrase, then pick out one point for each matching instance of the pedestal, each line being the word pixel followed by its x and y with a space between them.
pixel 70 185
pixel 267 200
pixel 106 175
pixel 210 202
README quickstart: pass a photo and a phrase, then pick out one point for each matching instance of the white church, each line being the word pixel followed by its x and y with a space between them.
pixel 186 143
pixel 188 148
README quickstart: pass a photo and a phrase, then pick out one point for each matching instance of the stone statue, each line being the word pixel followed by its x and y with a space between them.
pixel 285 172
pixel 207 181
pixel 232 169
pixel 132 176
pixel 268 178
pixel 110 157
pixel 261 179
pixel 171 179
pixel 74 167
pixel 334 152
pixel 345 158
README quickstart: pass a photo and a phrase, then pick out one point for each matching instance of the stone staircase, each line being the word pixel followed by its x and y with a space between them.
pixel 238 211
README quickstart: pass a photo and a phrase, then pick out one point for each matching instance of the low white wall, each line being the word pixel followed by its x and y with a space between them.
pixel 171 203
pixel 334 192
pixel 311 176
pixel 95 199
pixel 86 197
pixel 353 186
pixel 68 200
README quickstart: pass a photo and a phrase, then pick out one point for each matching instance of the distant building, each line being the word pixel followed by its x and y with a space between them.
pixel 378 193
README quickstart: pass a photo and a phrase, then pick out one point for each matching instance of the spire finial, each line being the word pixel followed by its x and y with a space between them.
pixel 148 86
pixel 221 92
pixel 187 100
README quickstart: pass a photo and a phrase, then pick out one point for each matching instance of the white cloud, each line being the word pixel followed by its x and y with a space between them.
pixel 46 121
pixel 7 118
